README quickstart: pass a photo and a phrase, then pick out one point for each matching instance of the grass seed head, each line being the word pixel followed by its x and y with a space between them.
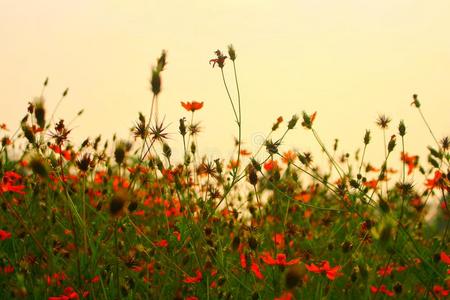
pixel 232 52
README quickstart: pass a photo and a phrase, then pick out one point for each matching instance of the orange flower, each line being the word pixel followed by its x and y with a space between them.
pixel 280 260
pixel 255 269
pixel 371 183
pixel 288 157
pixel 445 258
pixel 285 296
pixel 325 268
pixel 382 289
pixel 192 106
pixel 270 165
pixel 220 60
pixel 245 152
pixel 411 161
pixel 194 279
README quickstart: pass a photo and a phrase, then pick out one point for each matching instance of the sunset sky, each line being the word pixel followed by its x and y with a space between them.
pixel 348 60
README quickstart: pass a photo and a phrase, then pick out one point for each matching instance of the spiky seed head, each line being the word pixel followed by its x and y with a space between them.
pixel 383 121
pixel 84 163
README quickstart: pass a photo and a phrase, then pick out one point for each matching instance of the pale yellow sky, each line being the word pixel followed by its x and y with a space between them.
pixel 348 60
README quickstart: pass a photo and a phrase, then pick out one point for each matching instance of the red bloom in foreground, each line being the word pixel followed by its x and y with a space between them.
pixel 192 106
pixel 196 279
pixel 285 296
pixel 270 165
pixel 440 291
pixel 325 268
pixel 385 271
pixel 9 183
pixel 255 269
pixel 162 243
pixel 445 258
pixel 4 235
pixel 382 289
pixel 280 260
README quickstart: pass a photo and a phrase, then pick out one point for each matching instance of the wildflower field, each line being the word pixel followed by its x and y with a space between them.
pixel 125 219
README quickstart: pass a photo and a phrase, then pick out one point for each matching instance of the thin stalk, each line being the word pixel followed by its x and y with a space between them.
pixel 116 252
pixel 429 128
pixel 336 166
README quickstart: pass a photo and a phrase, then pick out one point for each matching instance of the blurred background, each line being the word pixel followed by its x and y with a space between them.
pixel 348 60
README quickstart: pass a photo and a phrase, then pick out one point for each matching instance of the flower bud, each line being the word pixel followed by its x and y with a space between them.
pixel 391 144
pixel 156 82
pixel 415 102
pixel 401 128
pixel 232 52
pixel 367 137
pixel 293 122
pixel 39 112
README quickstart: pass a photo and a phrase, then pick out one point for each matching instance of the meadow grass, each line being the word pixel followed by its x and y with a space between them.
pixel 123 219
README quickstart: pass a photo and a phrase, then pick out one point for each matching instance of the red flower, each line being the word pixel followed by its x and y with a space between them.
pixel 411 161
pixel 243 261
pixel 289 157
pixel 9 183
pixel 162 243
pixel 382 289
pixel 255 269
pixel 432 183
pixel 285 296
pixel 4 235
pixel 440 291
pixel 192 106
pixel 278 239
pixel 280 260
pixel 386 271
pixel 270 165
pixel 65 153
pixel 445 258
pixel 220 60
pixel 371 183
pixel 8 269
pixel 325 268
pixel 196 279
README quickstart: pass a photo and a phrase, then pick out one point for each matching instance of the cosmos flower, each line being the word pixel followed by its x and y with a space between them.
pixel 192 106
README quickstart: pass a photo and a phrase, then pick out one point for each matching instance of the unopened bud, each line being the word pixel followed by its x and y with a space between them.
pixel 232 52
pixel 156 82
pixel 391 144
pixel 401 128
pixel 415 102
pixel 293 122
pixel 367 137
